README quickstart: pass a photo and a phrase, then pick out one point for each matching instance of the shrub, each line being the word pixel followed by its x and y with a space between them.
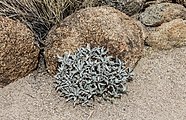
pixel 91 72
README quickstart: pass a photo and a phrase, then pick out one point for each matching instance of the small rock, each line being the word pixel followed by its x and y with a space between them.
pixel 168 35
pixel 18 55
pixel 157 14
pixel 98 26
pixel 129 7
pixel 182 2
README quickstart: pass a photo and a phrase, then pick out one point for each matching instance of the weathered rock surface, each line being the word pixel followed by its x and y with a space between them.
pixel 18 55
pixel 129 7
pixel 183 2
pixel 168 35
pixel 157 14
pixel 98 26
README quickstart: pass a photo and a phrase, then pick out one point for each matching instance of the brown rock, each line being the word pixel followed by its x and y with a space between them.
pixel 157 14
pixel 129 7
pixel 183 2
pixel 168 35
pixel 98 26
pixel 18 55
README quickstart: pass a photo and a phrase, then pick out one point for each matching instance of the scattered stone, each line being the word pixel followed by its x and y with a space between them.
pixel 18 55
pixel 129 7
pixel 151 2
pixel 183 2
pixel 157 14
pixel 168 35
pixel 97 26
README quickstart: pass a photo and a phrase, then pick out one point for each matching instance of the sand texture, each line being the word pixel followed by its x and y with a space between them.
pixel 158 92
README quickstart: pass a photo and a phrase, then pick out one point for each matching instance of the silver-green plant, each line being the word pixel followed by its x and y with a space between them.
pixel 91 72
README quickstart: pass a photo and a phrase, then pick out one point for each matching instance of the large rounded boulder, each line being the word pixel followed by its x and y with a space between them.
pixel 97 26
pixel 18 54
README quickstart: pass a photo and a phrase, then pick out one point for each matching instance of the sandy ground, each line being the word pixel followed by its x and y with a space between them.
pixel 158 92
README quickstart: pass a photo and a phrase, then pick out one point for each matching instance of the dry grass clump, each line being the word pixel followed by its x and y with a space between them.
pixel 41 15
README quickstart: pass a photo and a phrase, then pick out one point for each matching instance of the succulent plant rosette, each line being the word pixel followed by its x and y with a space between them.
pixel 90 73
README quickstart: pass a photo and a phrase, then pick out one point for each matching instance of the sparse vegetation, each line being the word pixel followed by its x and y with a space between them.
pixel 41 15
pixel 90 72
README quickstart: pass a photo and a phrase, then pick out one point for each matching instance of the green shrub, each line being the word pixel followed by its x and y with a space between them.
pixel 91 72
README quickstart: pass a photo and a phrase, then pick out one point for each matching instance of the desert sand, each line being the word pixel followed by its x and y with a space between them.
pixel 158 92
